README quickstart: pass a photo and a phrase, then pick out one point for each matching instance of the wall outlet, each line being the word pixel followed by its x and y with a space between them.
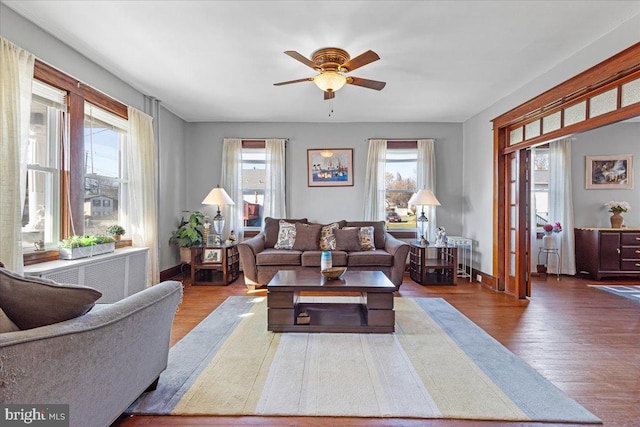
pixel 478 278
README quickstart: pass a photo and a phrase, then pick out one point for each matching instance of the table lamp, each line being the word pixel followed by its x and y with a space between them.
pixel 423 197
pixel 218 197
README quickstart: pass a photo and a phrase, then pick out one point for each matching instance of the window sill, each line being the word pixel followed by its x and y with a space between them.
pixel 50 255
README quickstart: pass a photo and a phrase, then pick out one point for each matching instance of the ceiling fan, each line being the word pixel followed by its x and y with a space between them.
pixel 332 63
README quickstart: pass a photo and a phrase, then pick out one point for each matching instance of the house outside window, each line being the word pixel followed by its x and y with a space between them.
pixel 400 184
pixel 253 185
pixel 105 179
pixel 41 213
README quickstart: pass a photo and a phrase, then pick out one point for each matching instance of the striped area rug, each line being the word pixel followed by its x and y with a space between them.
pixel 627 291
pixel 438 364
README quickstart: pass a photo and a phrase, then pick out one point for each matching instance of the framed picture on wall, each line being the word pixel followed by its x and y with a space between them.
pixel 330 167
pixel 609 172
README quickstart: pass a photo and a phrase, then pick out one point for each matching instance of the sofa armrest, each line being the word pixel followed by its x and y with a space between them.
pixel 124 344
pixel 248 250
pixel 399 250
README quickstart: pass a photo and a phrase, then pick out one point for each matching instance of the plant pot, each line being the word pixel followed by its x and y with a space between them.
pixel 185 255
pixel 86 251
pixel 616 220
pixel 117 237
pixel 548 242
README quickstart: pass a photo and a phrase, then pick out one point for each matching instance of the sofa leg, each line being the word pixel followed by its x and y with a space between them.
pixel 153 385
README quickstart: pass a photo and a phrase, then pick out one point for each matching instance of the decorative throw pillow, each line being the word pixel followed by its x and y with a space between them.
pixel 347 239
pixel 272 227
pixel 327 238
pixel 307 237
pixel 366 239
pixel 31 302
pixel 286 235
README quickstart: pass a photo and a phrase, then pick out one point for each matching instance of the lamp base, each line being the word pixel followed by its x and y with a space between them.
pixel 424 242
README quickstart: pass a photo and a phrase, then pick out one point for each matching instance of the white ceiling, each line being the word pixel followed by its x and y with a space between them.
pixel 443 61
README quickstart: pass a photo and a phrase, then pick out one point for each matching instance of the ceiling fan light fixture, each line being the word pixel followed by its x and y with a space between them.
pixel 330 81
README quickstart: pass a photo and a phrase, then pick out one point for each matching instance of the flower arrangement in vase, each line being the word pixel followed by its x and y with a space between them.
pixel 616 208
pixel 548 242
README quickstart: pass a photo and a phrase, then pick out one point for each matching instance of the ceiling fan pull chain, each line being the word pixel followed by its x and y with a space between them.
pixel 330 107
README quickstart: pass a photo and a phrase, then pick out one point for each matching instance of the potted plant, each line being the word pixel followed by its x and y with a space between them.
pixel 188 233
pixel 74 247
pixel 115 231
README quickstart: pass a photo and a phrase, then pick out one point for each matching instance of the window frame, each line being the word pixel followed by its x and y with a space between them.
pixel 72 162
pixel 397 145
pixel 253 144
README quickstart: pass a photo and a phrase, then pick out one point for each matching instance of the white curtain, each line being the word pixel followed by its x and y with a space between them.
pixel 143 189
pixel 231 181
pixel 374 184
pixel 16 76
pixel 274 193
pixel 427 180
pixel 561 204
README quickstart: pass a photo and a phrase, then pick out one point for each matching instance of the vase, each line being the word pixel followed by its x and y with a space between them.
pixel 548 242
pixel 616 220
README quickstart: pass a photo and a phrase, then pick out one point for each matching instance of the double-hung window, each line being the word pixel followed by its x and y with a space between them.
pixel 400 184
pixel 253 183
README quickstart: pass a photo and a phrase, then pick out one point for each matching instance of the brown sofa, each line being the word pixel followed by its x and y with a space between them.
pixel 261 260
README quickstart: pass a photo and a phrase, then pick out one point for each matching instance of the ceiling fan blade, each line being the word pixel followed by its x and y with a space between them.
pixel 357 62
pixel 306 61
pixel 369 84
pixel 329 95
pixel 308 79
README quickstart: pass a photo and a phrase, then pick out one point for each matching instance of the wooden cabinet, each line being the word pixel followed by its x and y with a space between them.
pixel 605 252
pixel 432 265
pixel 206 261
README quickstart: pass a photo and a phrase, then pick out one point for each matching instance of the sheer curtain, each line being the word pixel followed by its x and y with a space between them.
pixel 427 179
pixel 374 186
pixel 561 203
pixel 274 193
pixel 231 181
pixel 143 189
pixel 16 76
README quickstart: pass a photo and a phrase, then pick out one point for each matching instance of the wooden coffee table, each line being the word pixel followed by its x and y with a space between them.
pixel 372 314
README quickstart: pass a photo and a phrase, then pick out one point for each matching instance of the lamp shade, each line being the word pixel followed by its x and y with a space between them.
pixel 217 196
pixel 424 197
pixel 330 81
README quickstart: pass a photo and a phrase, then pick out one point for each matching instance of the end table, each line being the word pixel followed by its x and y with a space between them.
pixel 205 260
pixel 433 265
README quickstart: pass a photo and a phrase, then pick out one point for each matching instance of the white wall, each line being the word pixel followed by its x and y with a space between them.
pixel 324 204
pixel 52 51
pixel 478 136
pixel 619 138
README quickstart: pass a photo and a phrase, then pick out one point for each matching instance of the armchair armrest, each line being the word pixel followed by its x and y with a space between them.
pixel 399 250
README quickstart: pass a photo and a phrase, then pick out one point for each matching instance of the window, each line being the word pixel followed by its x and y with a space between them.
pixel 253 183
pixel 105 179
pixel 400 184
pixel 540 187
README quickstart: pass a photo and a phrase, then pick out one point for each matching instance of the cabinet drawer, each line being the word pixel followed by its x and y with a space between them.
pixel 631 238
pixel 631 265
pixel 631 252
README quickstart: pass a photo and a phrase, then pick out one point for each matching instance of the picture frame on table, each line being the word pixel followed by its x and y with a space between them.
pixel 330 167
pixel 212 256
pixel 613 171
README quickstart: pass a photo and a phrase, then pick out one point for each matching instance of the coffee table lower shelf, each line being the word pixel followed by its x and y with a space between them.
pixel 332 318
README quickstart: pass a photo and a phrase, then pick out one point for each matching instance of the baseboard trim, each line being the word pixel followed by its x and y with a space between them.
pixel 485 279
pixel 171 272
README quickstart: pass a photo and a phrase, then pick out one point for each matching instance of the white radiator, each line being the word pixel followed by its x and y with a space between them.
pixel 117 274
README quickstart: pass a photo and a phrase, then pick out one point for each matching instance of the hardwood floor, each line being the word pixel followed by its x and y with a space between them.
pixel 585 341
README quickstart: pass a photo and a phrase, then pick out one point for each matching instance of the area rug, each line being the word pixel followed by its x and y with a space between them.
pixel 627 291
pixel 438 364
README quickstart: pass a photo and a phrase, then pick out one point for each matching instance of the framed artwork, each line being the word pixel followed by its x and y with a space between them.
pixel 330 167
pixel 211 256
pixel 610 171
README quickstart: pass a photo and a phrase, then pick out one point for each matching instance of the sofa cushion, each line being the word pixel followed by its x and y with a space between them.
pixel 379 231
pixel 31 302
pixel 327 238
pixel 312 258
pixel 272 227
pixel 286 235
pixel 347 239
pixel 6 325
pixel 279 257
pixel 377 257
pixel 307 237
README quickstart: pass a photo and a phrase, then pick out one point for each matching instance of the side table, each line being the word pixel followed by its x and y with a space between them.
pixel 433 265
pixel 552 251
pixel 205 260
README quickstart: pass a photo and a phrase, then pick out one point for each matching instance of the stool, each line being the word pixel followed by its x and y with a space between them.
pixel 546 252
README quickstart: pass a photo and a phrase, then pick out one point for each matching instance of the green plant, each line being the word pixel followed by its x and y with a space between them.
pixel 84 240
pixel 115 230
pixel 189 232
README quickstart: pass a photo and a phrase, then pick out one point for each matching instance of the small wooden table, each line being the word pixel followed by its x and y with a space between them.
pixel 373 314
pixel 433 265
pixel 205 260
